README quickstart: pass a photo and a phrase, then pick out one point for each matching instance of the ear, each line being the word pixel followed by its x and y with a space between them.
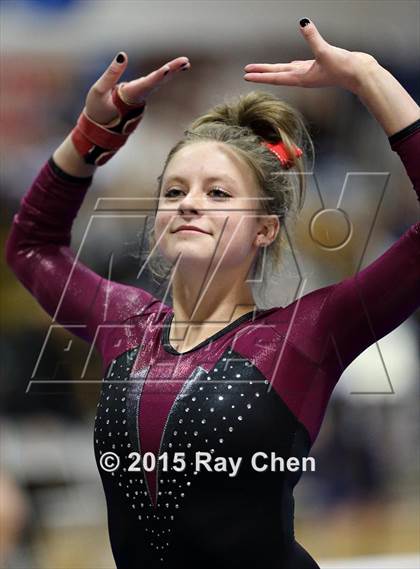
pixel 268 230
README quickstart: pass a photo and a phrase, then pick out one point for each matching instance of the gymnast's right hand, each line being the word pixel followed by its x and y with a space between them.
pixel 99 106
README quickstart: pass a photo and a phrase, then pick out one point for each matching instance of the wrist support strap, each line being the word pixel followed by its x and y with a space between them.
pixel 97 143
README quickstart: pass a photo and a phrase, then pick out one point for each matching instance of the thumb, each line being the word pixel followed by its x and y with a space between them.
pixel 112 74
pixel 312 36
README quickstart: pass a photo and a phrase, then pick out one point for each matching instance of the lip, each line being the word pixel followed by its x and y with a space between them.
pixel 190 228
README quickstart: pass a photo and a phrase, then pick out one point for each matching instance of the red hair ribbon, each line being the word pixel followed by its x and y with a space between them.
pixel 280 151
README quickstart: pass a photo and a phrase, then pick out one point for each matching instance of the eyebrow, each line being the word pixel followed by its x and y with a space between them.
pixel 220 177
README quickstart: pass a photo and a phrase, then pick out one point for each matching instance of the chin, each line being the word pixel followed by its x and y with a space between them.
pixel 189 252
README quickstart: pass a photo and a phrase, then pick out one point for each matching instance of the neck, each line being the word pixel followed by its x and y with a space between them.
pixel 202 308
pixel 198 300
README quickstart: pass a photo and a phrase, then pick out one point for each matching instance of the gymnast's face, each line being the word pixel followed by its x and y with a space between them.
pixel 206 185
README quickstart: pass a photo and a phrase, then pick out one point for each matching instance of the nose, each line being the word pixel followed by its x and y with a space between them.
pixel 192 202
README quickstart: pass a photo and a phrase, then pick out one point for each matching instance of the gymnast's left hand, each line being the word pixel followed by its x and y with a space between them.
pixel 332 66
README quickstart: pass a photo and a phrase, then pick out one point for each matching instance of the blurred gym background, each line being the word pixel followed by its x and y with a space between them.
pixel 361 507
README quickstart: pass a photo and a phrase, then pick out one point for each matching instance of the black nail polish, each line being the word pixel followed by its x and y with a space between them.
pixel 304 22
pixel 120 58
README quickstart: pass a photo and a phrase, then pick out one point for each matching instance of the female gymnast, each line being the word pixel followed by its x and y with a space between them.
pixel 214 379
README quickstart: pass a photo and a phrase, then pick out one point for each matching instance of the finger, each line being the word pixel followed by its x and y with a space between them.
pixel 286 78
pixel 138 89
pixel 179 64
pixel 112 74
pixel 143 85
pixel 176 63
pixel 271 67
pixel 312 36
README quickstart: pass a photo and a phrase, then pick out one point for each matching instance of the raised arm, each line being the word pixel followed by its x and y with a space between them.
pixel 38 244
pixel 363 308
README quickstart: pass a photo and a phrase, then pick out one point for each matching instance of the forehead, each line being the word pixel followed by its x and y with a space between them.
pixel 212 161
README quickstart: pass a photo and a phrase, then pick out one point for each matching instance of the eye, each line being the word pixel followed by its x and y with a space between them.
pixel 169 193
pixel 218 192
pixel 222 193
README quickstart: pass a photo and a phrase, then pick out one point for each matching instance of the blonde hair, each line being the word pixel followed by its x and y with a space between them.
pixel 243 123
